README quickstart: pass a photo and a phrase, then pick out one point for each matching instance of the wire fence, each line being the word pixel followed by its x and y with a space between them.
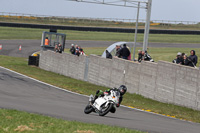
pixel 85 21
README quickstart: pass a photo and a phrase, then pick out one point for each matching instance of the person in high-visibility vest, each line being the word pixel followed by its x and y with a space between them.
pixel 46 41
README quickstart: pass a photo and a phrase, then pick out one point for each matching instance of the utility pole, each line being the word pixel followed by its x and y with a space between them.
pixel 136 29
pixel 147 25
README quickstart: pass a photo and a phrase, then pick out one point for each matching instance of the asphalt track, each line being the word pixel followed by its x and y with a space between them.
pixel 11 47
pixel 25 94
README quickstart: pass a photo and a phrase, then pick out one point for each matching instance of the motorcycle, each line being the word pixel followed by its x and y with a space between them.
pixel 103 105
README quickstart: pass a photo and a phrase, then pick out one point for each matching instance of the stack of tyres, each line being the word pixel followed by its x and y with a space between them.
pixel 33 60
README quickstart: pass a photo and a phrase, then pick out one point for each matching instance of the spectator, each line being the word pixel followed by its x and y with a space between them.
pixel 76 47
pixel 147 57
pixel 46 42
pixel 179 58
pixel 59 48
pixel 124 52
pixel 129 57
pixel 140 56
pixel 77 52
pixel 193 58
pixel 186 61
pixel 118 48
pixel 81 51
pixel 56 48
pixel 72 49
pixel 108 55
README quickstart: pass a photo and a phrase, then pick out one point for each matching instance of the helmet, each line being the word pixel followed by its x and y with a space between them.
pixel 122 89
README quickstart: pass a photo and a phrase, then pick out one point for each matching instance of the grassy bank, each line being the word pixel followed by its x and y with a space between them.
pixel 16 121
pixel 137 101
pixel 28 33
pixel 94 22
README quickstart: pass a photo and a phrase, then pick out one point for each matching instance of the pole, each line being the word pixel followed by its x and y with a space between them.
pixel 136 29
pixel 146 34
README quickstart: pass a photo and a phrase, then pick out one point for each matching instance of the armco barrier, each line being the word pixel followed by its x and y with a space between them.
pixel 98 29
pixel 162 81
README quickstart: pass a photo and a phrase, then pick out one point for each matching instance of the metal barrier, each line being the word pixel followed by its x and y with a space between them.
pixel 86 20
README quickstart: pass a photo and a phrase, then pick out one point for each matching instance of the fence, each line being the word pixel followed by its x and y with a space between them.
pixel 162 81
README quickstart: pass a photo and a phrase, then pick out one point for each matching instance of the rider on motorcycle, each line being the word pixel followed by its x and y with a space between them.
pixel 122 90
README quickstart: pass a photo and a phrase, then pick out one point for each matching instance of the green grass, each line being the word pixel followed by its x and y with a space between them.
pixel 138 101
pixel 28 33
pixel 13 121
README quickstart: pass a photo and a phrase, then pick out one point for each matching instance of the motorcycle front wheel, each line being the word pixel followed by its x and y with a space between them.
pixel 105 110
pixel 88 109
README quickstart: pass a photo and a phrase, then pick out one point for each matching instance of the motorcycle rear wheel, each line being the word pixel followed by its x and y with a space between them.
pixel 109 107
pixel 88 109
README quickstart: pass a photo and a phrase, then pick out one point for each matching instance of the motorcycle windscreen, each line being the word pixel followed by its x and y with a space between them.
pixel 98 102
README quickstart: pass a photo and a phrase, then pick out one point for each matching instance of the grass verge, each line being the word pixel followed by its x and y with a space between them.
pixel 28 33
pixel 16 121
pixel 133 100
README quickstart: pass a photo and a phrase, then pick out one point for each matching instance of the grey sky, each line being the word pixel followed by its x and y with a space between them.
pixel 180 10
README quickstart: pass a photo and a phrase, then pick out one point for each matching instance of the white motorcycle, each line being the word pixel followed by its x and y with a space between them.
pixel 103 105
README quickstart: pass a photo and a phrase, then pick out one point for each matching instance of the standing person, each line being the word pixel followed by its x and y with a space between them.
pixel 186 61
pixel 72 49
pixel 59 48
pixel 76 50
pixel 193 58
pixel 118 48
pixel 140 56
pixel 76 47
pixel 56 48
pixel 124 52
pixel 46 42
pixel 129 57
pixel 179 58
pixel 108 55
pixel 81 51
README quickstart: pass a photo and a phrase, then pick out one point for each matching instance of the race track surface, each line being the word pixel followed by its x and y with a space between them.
pixel 11 47
pixel 21 93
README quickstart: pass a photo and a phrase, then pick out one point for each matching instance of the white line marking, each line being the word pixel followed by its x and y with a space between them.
pixel 87 95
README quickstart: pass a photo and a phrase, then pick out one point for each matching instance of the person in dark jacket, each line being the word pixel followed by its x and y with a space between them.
pixel 108 55
pixel 59 48
pixel 72 49
pixel 124 52
pixel 179 59
pixel 186 61
pixel 193 58
pixel 140 56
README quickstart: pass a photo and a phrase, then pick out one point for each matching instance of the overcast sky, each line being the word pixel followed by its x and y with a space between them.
pixel 179 10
